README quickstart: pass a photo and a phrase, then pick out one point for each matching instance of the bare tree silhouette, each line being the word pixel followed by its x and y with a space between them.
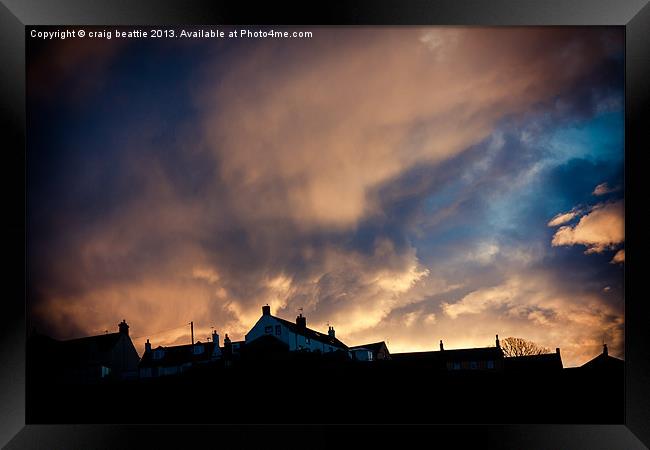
pixel 514 346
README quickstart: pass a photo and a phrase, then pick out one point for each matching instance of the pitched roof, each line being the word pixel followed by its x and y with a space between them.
pixel 178 355
pixel 463 354
pixel 604 362
pixel 101 343
pixel 85 351
pixel 312 334
pixel 374 347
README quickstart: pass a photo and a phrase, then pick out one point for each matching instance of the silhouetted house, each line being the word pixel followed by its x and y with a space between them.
pixel 177 359
pixel 88 359
pixel 459 360
pixel 370 352
pixel 547 362
pixel 604 362
pixel 232 350
pixel 295 335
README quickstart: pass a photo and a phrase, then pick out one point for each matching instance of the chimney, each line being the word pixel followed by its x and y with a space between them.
pixel 331 332
pixel 441 346
pixel 123 327
pixel 605 349
pixel 147 346
pixel 498 343
pixel 301 321
pixel 227 347
pixel 557 350
pixel 215 338
pixel 266 310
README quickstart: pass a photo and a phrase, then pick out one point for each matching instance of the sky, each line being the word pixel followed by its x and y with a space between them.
pixel 398 183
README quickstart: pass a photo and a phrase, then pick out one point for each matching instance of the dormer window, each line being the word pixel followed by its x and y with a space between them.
pixel 198 349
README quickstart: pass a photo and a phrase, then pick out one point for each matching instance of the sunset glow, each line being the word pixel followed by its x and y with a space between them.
pixel 400 184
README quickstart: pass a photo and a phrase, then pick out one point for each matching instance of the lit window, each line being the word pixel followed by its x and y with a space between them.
pixel 473 365
pixel 278 330
pixel 456 366
pixel 307 340
pixel 490 364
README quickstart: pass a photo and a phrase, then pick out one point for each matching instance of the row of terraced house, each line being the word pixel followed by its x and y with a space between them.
pixel 113 355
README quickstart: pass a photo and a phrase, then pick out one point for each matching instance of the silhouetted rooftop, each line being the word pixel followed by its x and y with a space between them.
pixel 178 355
pixel 81 351
pixel 312 334
pixel 604 362
pixel 457 355
pixel 374 347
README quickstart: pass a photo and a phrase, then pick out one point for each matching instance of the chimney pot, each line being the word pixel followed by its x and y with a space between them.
pixel 557 350
pixel 498 343
pixel 441 346
pixel 605 352
pixel 147 346
pixel 123 327
pixel 301 321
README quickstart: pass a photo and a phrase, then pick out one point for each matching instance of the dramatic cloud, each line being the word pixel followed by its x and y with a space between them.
pixel 395 183
pixel 563 218
pixel 603 189
pixel 575 322
pixel 600 229
pixel 619 257
pixel 310 141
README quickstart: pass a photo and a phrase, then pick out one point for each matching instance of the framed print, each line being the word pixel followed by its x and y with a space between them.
pixel 265 222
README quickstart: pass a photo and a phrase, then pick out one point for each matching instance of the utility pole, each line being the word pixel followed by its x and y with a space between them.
pixel 192 329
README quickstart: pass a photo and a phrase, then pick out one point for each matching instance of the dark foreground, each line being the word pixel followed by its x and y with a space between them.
pixel 333 393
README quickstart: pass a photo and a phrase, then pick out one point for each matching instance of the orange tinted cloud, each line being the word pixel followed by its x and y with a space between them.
pixel 310 141
pixel 297 139
pixel 602 228
pixel 603 189
pixel 619 257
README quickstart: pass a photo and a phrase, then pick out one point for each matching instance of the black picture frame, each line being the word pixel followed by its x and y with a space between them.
pixel 634 15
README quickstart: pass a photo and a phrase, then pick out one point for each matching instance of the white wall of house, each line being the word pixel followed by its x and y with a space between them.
pixel 259 329
pixel 269 325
